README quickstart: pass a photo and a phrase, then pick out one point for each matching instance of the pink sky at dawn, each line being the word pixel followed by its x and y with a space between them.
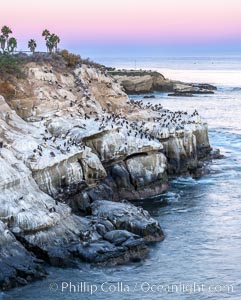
pixel 127 22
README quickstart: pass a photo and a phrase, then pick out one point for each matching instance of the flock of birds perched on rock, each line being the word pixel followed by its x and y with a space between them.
pixel 160 121
pixel 53 143
pixel 140 104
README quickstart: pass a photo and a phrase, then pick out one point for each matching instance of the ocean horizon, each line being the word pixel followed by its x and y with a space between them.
pixel 218 70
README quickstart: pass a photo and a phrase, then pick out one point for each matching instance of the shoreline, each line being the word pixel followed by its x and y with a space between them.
pixel 89 159
pixel 147 81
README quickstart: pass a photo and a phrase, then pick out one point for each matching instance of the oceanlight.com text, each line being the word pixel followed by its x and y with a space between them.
pixel 84 287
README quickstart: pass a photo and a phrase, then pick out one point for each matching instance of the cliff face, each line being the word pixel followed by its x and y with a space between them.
pixel 137 82
pixel 68 143
pixel 141 82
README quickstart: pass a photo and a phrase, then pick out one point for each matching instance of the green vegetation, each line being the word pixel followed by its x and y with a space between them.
pixel 32 45
pixel 71 59
pixel 7 44
pixel 12 62
pixel 2 42
pixel 11 65
pixel 52 41
pixel 12 45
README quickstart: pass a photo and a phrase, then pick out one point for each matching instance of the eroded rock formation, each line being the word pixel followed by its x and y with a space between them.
pixel 70 142
pixel 141 82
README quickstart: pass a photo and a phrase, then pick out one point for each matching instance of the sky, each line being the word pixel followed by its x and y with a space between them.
pixel 129 27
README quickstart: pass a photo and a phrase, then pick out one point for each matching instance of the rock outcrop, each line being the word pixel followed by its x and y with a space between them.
pixel 141 82
pixel 73 146
pixel 17 265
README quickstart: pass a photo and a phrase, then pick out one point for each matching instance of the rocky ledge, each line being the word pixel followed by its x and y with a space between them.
pixel 74 150
pixel 141 82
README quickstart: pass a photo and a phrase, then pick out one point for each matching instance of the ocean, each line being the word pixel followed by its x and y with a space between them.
pixel 214 70
pixel 200 257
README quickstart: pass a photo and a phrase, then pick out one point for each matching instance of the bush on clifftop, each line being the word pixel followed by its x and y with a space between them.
pixel 73 60
pixel 11 65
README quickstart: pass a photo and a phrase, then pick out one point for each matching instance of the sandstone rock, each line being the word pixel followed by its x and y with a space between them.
pixel 139 82
pixel 121 177
pixel 203 145
pixel 113 145
pixel 67 141
pixel 146 169
pixel 181 153
pixel 92 169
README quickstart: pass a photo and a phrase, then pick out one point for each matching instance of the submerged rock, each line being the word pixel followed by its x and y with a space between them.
pixel 180 94
pixel 149 97
pixel 190 93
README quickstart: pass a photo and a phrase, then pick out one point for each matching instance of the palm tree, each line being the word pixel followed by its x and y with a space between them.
pixel 46 35
pixel 32 45
pixel 12 44
pixel 49 46
pixel 6 31
pixel 2 42
pixel 55 40
pixel 52 40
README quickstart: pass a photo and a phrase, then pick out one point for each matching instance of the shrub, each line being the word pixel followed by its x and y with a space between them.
pixel 11 65
pixel 73 60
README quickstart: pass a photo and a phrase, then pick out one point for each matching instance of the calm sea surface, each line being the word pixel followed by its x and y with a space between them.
pixel 201 255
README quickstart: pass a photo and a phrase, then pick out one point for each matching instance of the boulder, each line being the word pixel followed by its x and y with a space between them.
pixel 125 216
pixel 17 265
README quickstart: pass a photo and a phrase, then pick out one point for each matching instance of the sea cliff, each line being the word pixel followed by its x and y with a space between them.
pixel 74 151
pixel 144 81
